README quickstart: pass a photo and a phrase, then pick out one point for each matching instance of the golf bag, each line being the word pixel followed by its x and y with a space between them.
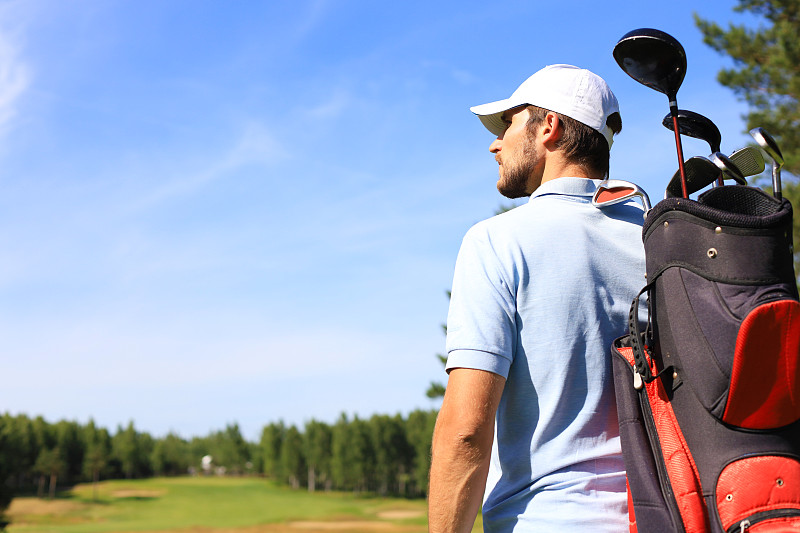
pixel 708 393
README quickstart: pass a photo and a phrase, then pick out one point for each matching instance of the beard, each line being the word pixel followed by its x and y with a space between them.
pixel 516 172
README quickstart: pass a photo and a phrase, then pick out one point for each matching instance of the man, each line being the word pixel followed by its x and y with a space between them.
pixel 539 294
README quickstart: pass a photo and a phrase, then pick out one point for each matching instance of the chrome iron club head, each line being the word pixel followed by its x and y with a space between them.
pixel 728 168
pixel 749 160
pixel 611 192
pixel 768 144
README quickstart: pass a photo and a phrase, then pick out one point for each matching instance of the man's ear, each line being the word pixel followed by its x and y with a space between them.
pixel 552 128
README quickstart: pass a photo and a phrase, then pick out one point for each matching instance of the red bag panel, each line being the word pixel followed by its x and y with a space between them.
pixel 683 474
pixel 756 484
pixel 765 378
pixel 631 513
pixel 776 525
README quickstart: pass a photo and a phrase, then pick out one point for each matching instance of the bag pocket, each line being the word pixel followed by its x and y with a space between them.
pixel 759 493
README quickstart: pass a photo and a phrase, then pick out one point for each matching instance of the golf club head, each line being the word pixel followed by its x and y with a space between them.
pixel 653 58
pixel 700 172
pixel 728 168
pixel 749 160
pixel 610 192
pixel 697 126
pixel 768 144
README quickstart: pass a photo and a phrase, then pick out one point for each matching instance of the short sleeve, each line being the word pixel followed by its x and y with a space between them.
pixel 481 323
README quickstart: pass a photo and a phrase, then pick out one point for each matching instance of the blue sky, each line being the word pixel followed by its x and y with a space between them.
pixel 250 211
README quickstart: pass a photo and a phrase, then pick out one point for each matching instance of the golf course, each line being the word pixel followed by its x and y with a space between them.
pixel 212 504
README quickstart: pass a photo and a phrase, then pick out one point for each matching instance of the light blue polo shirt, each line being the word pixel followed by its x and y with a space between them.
pixel 539 294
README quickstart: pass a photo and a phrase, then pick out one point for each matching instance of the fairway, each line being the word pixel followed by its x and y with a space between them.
pixel 214 504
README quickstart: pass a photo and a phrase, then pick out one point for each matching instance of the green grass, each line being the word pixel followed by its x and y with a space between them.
pixel 207 503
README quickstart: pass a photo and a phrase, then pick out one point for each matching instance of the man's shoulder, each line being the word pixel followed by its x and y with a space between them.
pixel 498 226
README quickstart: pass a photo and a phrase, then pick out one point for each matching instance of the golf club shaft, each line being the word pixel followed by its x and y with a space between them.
pixel 674 111
pixel 776 181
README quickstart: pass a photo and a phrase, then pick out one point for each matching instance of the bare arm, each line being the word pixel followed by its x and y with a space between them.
pixel 462 444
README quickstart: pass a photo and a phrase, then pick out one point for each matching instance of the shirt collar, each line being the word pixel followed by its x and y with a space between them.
pixel 567 186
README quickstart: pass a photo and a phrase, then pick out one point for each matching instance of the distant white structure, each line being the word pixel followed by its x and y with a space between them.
pixel 205 463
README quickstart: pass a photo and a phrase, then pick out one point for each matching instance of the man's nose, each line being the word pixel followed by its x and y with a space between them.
pixel 496 145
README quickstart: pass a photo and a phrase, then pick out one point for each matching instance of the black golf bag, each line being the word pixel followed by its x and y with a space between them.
pixel 708 393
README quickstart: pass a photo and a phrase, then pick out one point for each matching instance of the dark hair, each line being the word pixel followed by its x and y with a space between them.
pixel 580 144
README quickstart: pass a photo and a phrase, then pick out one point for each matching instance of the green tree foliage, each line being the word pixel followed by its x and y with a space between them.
pixel 386 455
pixel 393 454
pixel 50 463
pixel 171 456
pixel 69 440
pixel 230 450
pixel 419 429
pixel 765 74
pixel 131 450
pixel 353 457
pixel 317 449
pixel 341 454
pixel 293 461
pixel 97 442
pixel 13 442
pixel 271 441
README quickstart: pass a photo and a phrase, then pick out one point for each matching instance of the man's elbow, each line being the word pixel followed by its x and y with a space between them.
pixel 469 440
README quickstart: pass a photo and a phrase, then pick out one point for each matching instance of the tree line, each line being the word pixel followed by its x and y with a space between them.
pixel 386 455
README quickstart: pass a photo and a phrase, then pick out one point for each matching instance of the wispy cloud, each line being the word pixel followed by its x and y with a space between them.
pixel 332 107
pixel 255 145
pixel 15 74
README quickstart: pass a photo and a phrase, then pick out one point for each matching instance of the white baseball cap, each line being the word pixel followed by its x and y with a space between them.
pixel 575 92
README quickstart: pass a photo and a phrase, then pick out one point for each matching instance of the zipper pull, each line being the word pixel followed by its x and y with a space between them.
pixel 637 382
pixel 744 524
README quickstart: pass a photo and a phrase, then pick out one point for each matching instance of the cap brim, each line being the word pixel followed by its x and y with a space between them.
pixel 491 115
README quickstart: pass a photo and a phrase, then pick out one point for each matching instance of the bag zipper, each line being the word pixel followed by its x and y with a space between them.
pixel 663 477
pixel 752 520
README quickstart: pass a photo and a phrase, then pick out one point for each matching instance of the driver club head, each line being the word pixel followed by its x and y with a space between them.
pixel 657 60
pixel 749 160
pixel 653 58
pixel 728 168
pixel 697 126
pixel 700 172
pixel 610 192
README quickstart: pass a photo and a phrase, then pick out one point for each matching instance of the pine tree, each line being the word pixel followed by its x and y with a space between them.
pixel 766 76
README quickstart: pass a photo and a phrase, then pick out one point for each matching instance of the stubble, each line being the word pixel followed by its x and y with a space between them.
pixel 517 171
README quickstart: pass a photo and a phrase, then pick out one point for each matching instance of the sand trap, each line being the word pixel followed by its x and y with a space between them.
pixel 35 506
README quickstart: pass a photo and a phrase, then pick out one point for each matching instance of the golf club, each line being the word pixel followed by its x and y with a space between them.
pixel 657 60
pixel 611 192
pixel 700 172
pixel 697 126
pixel 749 160
pixel 728 168
pixel 768 144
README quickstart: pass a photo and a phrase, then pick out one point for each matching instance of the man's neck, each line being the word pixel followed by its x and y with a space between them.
pixel 558 167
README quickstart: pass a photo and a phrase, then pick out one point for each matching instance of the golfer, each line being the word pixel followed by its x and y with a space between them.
pixel 528 426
